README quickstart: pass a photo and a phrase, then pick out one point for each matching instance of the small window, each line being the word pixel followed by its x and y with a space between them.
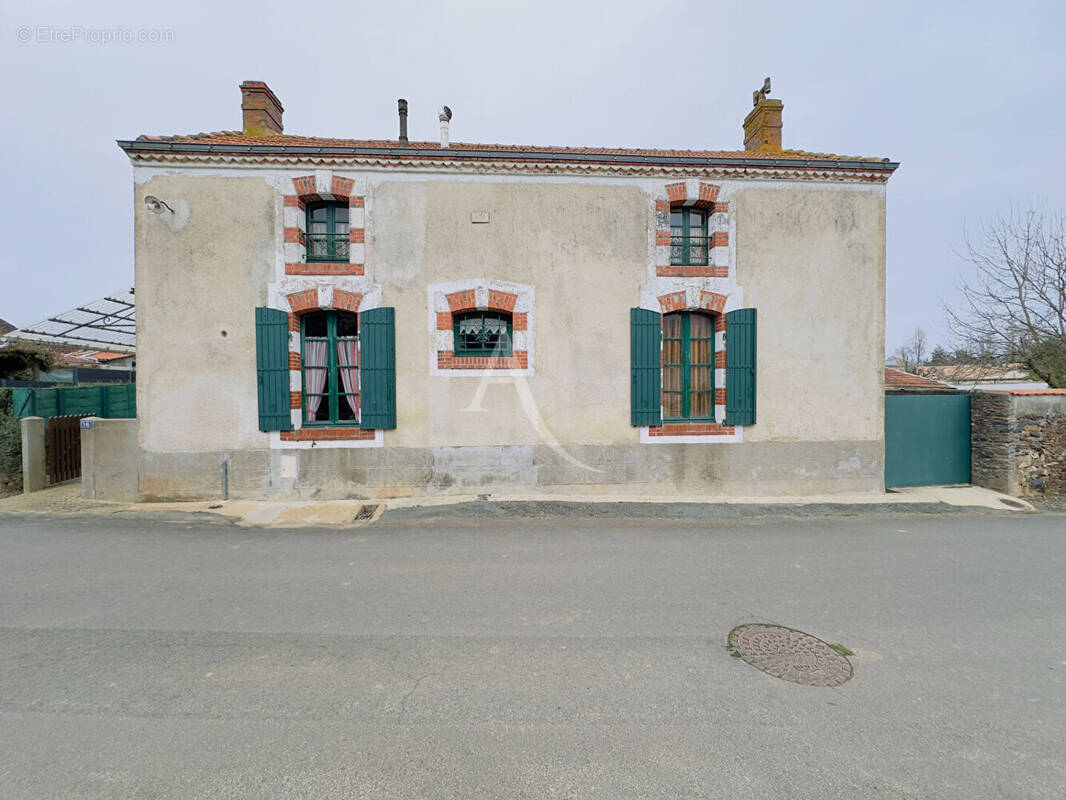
pixel 327 232
pixel 688 366
pixel 483 333
pixel 688 237
pixel 330 367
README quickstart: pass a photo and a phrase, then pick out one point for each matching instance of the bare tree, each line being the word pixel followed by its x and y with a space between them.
pixel 911 354
pixel 1014 299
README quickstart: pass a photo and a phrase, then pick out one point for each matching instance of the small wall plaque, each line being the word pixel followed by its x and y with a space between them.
pixel 479 216
pixel 86 423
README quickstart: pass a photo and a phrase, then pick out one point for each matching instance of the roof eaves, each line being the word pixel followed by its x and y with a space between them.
pixel 480 154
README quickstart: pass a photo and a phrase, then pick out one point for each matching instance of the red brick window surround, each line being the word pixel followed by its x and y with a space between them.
pixel 308 190
pixel 512 302
pixel 302 302
pixel 713 303
pixel 698 195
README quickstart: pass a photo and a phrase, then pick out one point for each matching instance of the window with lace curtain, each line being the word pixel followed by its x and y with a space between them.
pixel 329 361
pixel 483 334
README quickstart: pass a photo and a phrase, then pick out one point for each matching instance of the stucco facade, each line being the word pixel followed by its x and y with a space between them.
pixel 576 247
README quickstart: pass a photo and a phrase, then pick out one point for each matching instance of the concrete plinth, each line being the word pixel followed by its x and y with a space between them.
pixel 34 474
pixel 109 459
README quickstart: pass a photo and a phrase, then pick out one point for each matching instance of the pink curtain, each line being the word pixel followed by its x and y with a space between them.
pixel 348 366
pixel 314 375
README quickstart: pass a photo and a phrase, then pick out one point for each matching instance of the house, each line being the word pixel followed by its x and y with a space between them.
pixel 898 380
pixel 96 358
pixel 330 318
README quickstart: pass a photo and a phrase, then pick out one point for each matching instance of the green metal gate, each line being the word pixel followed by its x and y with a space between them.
pixel 927 439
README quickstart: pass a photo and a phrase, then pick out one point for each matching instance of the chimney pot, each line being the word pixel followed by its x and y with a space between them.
pixel 445 116
pixel 261 109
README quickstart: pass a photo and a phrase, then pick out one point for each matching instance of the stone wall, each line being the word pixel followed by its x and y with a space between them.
pixel 1018 442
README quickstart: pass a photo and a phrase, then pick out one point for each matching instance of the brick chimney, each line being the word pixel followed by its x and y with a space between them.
pixel 762 127
pixel 261 109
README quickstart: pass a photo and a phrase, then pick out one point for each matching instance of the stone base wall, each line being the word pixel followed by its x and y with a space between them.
pixel 1018 443
pixel 752 469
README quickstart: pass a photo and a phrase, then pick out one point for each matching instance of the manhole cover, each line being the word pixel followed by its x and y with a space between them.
pixel 790 655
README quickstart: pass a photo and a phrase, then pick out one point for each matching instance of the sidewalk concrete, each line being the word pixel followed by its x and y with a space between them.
pixel 66 499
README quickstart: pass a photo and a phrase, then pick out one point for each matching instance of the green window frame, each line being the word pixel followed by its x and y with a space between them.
pixel 688 367
pixel 326 234
pixel 336 404
pixel 478 334
pixel 688 237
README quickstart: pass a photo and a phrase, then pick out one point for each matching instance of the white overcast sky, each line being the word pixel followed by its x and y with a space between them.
pixel 968 96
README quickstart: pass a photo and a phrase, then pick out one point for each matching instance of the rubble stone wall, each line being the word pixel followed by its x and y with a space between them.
pixel 1018 442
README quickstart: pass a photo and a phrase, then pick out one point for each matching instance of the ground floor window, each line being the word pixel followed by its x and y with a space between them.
pixel 483 334
pixel 329 362
pixel 688 366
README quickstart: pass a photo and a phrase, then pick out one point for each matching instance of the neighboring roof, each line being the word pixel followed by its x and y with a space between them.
pixel 5 327
pixel 976 373
pixel 109 322
pixel 239 143
pixel 898 379
pixel 78 357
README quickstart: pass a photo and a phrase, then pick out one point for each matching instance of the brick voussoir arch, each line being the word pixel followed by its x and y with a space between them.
pixel 687 300
pixel 306 190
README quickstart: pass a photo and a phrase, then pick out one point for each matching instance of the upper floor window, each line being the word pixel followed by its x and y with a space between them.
pixel 330 366
pixel 483 333
pixel 327 232
pixel 688 236
pixel 688 366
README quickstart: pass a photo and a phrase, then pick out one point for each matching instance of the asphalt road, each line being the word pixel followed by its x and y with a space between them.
pixel 531 658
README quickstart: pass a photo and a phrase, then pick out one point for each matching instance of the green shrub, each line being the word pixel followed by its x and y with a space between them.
pixel 10 444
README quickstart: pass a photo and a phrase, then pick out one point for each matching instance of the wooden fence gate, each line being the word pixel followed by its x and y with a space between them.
pixel 63 459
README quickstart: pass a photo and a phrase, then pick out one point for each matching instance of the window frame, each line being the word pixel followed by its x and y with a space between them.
pixel 461 352
pixel 332 396
pixel 686 237
pixel 686 365
pixel 333 256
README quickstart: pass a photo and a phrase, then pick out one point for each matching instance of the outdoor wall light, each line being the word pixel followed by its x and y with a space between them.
pixel 155 205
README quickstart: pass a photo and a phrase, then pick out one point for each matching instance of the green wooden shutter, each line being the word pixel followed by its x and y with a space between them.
pixel 272 364
pixel 377 349
pixel 645 338
pixel 740 350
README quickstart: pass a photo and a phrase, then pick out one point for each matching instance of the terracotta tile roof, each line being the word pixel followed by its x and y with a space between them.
pixel 898 379
pixel 284 140
pixel 90 356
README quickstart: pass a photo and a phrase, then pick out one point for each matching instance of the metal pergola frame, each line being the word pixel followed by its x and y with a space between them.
pixel 109 323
